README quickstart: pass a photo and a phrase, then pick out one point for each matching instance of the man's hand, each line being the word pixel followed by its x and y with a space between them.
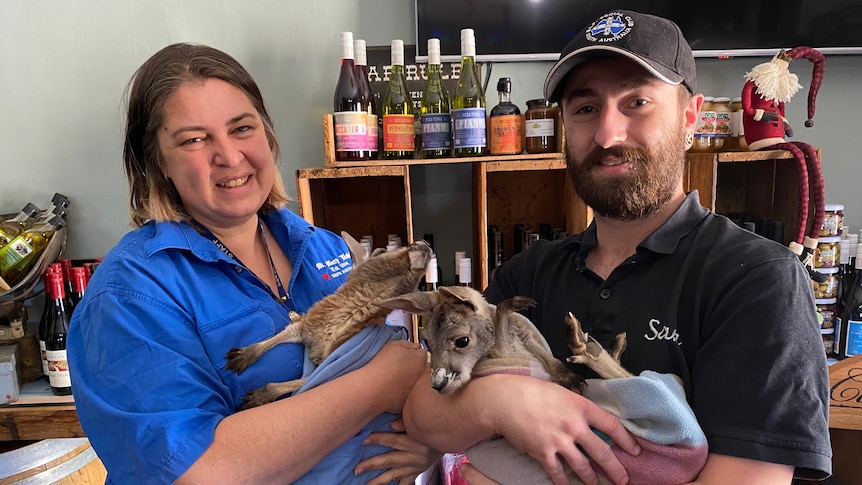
pixel 408 459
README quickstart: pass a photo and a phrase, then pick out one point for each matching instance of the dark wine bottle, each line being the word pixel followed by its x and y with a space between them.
pixel 435 118
pixel 468 104
pixel 398 120
pixel 368 96
pixel 79 285
pixel 55 342
pixel 350 117
pixel 47 314
pixel 506 130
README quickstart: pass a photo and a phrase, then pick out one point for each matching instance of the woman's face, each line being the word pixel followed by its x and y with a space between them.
pixel 215 151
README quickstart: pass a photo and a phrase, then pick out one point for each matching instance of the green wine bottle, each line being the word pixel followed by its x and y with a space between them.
pixel 468 104
pixel 435 119
pixel 398 134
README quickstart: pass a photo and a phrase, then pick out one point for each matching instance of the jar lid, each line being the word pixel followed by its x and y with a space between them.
pixel 538 102
pixel 825 301
pixel 737 99
pixel 828 239
pixel 708 98
pixel 833 207
pixel 827 331
pixel 722 99
pixel 827 269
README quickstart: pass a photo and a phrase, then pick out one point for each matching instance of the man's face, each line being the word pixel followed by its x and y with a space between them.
pixel 625 137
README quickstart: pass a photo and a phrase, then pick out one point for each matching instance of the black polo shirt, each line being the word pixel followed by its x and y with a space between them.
pixel 728 311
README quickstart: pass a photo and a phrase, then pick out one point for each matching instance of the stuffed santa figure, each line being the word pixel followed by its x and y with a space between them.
pixel 767 88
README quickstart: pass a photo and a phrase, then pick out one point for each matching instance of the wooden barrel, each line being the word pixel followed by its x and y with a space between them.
pixel 67 461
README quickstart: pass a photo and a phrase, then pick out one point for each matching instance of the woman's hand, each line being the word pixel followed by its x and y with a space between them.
pixel 408 459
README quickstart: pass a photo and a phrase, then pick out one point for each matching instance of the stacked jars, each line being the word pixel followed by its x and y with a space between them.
pixel 831 252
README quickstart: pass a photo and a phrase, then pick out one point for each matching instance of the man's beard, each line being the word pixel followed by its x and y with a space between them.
pixel 647 187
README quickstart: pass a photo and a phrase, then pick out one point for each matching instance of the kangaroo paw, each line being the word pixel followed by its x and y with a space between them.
pixel 576 339
pixel 239 359
pixel 269 393
pixel 619 346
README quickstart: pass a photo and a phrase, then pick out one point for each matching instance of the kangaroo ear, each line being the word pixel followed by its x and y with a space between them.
pixel 357 252
pixel 420 302
pixel 460 296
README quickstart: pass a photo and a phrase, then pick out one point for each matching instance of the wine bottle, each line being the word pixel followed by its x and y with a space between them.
pixel 47 314
pixel 55 342
pixel 506 123
pixel 431 275
pixel 465 272
pixel 435 118
pixel 368 97
pixel 16 256
pixel 398 129
pixel 10 228
pixel 350 117
pixel 848 322
pixel 79 285
pixel 59 206
pixel 429 238
pixel 468 104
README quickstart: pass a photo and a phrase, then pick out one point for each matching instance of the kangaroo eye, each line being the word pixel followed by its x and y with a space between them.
pixel 462 342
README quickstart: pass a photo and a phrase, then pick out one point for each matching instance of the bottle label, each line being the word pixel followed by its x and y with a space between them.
pixel 44 353
pixel 12 253
pixel 853 343
pixel 506 135
pixel 351 132
pixel 4 238
pixel 722 124
pixel 470 128
pixel 58 369
pixel 398 133
pixel 371 129
pixel 540 128
pixel 436 131
pixel 705 124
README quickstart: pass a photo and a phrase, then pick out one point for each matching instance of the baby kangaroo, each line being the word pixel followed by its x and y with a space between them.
pixel 339 316
pixel 462 329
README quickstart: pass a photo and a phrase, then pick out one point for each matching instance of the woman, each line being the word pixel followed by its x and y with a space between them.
pixel 217 262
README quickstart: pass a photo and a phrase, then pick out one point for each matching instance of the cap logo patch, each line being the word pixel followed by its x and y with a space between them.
pixel 610 27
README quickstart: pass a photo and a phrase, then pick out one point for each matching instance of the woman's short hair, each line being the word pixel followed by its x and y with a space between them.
pixel 152 196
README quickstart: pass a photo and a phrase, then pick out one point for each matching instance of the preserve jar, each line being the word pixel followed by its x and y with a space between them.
pixel 828 288
pixel 827 307
pixel 723 130
pixel 705 128
pixel 833 220
pixel 827 252
pixel 540 126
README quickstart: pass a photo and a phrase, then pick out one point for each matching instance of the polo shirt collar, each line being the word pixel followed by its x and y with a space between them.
pixel 663 240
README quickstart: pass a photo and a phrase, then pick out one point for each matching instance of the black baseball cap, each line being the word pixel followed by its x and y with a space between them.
pixel 654 42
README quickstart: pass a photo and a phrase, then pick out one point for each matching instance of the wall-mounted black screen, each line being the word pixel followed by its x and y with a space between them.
pixel 519 30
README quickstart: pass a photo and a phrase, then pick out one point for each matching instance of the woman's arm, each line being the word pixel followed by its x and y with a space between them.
pixel 721 469
pixel 282 440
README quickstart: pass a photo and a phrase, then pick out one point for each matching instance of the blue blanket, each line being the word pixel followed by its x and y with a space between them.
pixel 338 466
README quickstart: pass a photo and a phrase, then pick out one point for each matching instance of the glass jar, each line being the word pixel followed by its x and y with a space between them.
pixel 827 307
pixel 540 126
pixel 723 132
pixel 827 252
pixel 705 128
pixel 737 137
pixel 828 288
pixel 833 220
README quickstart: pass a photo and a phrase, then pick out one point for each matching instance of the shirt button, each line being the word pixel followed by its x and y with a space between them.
pixel 605 294
pixel 238 268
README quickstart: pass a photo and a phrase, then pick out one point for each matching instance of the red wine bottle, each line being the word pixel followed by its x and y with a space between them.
pixel 79 284
pixel 47 314
pixel 350 116
pixel 368 97
pixel 55 342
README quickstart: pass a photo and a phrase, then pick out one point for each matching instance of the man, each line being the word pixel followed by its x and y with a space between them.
pixel 730 313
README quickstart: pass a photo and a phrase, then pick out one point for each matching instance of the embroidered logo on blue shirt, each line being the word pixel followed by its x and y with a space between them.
pixel 335 267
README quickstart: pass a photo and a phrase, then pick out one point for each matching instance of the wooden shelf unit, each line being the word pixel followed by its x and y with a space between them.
pixel 374 196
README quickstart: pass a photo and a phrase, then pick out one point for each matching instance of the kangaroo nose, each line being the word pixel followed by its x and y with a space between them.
pixel 439 379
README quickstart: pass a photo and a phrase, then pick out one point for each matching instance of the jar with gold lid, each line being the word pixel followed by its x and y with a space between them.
pixel 827 252
pixel 833 220
pixel 829 287
pixel 540 126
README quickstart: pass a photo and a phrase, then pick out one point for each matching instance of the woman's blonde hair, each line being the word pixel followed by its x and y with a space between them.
pixel 152 196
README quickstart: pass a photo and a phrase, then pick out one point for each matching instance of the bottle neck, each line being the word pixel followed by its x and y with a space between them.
pixel 505 97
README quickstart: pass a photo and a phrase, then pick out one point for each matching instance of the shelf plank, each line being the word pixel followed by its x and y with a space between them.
pixel 39 422
pixel 750 156
pixel 523 158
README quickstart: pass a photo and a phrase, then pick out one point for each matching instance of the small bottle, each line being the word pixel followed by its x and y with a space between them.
pixel 540 126
pixel 350 114
pixel 55 342
pixel 468 104
pixel 705 128
pixel 722 135
pixel 506 134
pixel 429 238
pixel 367 95
pixel 465 272
pixel 431 275
pixel 734 143
pixel 435 118
pixel 398 120
pixel 458 256
pixel 10 228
